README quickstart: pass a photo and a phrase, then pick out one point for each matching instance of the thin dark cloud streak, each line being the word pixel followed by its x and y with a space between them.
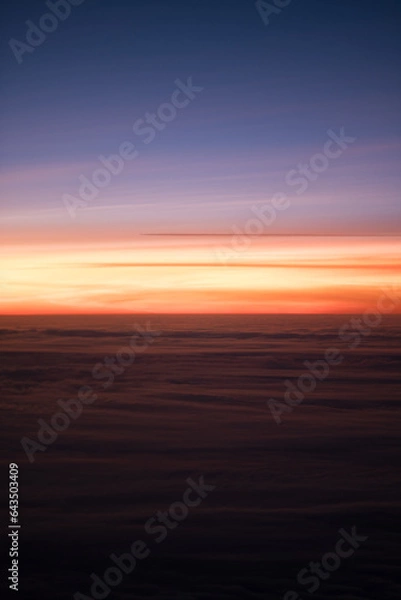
pixel 304 265
pixel 266 235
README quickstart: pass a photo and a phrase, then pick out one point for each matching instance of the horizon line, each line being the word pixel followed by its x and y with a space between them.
pixel 171 314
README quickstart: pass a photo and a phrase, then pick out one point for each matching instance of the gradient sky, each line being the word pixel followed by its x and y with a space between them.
pixel 270 95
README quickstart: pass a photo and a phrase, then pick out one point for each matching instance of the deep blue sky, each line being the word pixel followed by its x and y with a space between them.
pixel 270 95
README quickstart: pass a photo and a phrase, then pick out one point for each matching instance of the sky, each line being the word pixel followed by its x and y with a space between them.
pixel 300 114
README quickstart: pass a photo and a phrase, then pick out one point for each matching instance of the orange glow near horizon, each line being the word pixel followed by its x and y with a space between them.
pixel 182 275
